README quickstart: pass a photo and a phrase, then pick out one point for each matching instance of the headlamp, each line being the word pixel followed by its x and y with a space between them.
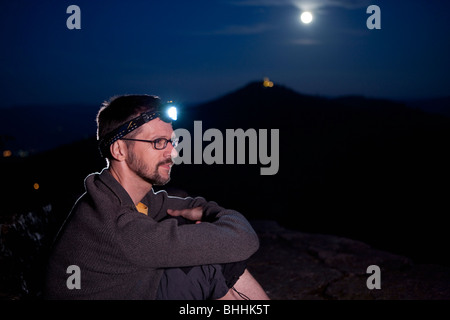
pixel 166 112
pixel 172 112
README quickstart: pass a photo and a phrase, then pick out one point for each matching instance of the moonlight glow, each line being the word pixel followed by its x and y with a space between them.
pixel 306 17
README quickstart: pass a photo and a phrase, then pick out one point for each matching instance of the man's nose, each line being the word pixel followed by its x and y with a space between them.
pixel 170 151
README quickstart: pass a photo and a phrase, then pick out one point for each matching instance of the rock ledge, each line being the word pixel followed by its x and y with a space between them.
pixel 292 265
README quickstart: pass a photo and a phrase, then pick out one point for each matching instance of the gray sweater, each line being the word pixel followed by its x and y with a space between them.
pixel 121 252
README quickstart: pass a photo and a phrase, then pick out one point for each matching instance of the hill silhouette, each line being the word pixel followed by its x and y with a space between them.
pixel 369 169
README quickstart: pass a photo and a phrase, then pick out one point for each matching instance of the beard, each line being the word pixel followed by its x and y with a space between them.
pixel 143 171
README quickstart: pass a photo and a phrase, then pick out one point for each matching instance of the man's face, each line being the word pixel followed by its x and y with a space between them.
pixel 144 160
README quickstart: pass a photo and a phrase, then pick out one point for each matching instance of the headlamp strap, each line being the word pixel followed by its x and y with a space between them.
pixel 125 129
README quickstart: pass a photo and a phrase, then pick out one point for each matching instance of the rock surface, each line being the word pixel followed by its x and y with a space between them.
pixel 292 265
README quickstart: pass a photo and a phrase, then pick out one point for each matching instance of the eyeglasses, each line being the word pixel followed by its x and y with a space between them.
pixel 158 144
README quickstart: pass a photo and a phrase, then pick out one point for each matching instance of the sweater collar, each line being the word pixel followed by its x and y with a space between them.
pixel 107 178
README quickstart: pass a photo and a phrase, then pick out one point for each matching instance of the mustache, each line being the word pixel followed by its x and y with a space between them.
pixel 168 161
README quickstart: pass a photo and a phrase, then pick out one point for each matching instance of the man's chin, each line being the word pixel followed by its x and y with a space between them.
pixel 161 182
pixel 162 179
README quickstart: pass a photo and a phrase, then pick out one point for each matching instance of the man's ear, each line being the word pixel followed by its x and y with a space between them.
pixel 118 150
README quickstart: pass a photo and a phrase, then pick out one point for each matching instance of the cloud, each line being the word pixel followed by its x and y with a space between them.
pixel 305 4
pixel 346 4
pixel 241 30
pixel 261 3
pixel 305 42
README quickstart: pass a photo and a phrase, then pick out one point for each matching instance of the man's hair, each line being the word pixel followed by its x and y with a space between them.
pixel 120 109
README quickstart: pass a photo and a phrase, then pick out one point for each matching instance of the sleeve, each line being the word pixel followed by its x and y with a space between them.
pixel 226 236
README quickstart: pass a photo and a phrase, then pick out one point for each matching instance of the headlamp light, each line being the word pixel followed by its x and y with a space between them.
pixel 172 112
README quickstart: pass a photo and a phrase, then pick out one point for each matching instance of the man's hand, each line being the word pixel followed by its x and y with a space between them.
pixel 194 214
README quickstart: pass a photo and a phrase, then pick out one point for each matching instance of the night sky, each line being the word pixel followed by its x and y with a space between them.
pixel 197 50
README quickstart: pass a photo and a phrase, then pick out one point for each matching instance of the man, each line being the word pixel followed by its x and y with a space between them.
pixel 129 242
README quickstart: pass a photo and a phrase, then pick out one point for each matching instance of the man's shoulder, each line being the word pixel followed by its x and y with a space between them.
pixel 102 187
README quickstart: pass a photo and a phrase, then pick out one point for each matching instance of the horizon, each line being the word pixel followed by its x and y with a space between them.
pixel 225 93
pixel 46 127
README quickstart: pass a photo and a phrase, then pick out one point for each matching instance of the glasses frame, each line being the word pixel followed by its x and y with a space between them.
pixel 173 142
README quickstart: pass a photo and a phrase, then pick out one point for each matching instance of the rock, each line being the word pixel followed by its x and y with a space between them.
pixel 296 265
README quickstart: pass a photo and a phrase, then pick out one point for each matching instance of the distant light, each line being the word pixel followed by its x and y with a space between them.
pixel 172 113
pixel 267 83
pixel 7 153
pixel 36 186
pixel 306 17
pixel 23 153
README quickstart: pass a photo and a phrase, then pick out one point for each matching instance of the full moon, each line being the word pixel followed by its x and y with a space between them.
pixel 306 17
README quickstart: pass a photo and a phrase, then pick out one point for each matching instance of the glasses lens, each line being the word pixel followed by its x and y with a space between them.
pixel 160 143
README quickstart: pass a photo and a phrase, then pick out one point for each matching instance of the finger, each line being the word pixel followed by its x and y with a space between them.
pixel 174 213
pixel 178 212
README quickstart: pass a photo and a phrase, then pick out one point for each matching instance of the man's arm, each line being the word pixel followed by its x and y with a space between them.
pixel 223 236
pixel 194 214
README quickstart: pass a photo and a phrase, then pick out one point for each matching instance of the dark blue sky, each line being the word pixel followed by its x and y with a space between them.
pixel 196 50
